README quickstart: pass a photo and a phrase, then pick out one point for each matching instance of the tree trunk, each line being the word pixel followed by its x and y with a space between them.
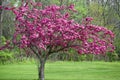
pixel 0 23
pixel 41 70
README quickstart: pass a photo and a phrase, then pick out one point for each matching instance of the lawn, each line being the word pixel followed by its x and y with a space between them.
pixel 63 71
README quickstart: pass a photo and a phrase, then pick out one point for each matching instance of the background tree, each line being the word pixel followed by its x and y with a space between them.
pixel 0 21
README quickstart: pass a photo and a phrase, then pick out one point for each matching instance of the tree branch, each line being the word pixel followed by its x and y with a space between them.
pixel 37 54
pixel 59 49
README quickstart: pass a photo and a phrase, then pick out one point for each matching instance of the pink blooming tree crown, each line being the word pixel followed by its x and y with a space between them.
pixel 51 30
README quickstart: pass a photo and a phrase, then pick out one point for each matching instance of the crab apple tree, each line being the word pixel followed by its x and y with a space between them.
pixel 44 31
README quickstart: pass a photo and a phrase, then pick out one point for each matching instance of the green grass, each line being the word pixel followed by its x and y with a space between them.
pixel 63 71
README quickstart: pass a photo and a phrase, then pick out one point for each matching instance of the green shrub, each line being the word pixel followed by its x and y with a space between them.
pixel 112 56
pixel 5 56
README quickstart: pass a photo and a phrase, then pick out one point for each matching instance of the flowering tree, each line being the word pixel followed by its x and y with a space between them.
pixel 52 29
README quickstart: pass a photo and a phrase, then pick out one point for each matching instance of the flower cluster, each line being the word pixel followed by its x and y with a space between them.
pixel 53 27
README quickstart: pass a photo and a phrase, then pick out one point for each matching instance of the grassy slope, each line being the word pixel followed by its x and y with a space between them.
pixel 63 71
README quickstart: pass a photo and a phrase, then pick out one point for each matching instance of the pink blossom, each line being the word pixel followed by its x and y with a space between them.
pixel 34 35
pixel 49 28
pixel 71 7
pixel 0 7
pixel 67 15
pixel 89 19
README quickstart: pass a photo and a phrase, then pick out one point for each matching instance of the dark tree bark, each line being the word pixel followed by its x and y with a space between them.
pixel 41 70
pixel 61 2
pixel 0 21
pixel 88 2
